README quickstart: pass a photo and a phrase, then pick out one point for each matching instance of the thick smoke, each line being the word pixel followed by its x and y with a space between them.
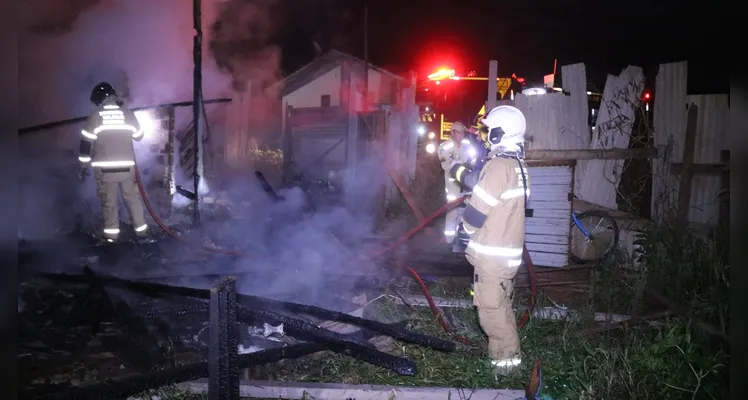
pixel 241 39
pixel 143 48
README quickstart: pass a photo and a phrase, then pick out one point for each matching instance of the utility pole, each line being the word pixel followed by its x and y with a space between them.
pixel 493 77
pixel 197 105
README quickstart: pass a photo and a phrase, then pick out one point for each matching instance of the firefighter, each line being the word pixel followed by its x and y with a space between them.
pixel 493 225
pixel 106 146
pixel 457 149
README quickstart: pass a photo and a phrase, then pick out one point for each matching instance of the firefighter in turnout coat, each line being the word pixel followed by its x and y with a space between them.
pixel 457 149
pixel 106 146
pixel 493 225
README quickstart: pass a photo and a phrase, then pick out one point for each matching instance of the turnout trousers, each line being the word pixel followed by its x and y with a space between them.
pixel 453 216
pixel 493 289
pixel 108 183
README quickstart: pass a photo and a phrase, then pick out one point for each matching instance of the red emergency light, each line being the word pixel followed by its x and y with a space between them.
pixel 518 79
pixel 646 96
pixel 443 73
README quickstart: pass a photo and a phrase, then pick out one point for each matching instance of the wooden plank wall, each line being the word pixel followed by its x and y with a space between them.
pixel 547 231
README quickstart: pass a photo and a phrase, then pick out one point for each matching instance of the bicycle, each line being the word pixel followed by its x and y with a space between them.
pixel 601 234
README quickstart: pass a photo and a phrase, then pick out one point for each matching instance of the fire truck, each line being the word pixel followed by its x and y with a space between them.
pixel 443 98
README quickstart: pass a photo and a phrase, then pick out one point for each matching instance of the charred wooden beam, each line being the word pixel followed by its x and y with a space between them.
pixel 147 288
pixel 155 288
pixel 332 340
pixel 223 369
pixel 78 120
pixel 267 187
pixel 389 330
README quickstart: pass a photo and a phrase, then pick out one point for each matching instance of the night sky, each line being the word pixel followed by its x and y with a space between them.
pixel 523 36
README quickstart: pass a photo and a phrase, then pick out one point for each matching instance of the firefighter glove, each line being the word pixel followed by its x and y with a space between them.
pixel 462 235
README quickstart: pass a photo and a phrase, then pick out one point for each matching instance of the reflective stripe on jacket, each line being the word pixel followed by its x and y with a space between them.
pixel 106 138
pixel 495 213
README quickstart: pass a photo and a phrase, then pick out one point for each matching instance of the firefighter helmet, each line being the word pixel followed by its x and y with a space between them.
pixel 101 92
pixel 506 126
pixel 458 126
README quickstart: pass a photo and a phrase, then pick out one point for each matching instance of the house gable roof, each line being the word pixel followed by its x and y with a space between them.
pixel 320 66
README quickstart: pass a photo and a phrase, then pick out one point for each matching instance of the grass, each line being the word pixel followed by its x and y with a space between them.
pixel 665 359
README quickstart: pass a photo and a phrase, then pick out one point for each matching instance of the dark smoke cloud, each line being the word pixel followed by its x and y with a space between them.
pixel 241 42
pixel 328 24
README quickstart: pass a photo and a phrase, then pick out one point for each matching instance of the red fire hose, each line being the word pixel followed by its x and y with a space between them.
pixel 425 221
pixel 422 224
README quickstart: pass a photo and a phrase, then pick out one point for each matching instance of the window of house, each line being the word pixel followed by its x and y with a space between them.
pixel 325 100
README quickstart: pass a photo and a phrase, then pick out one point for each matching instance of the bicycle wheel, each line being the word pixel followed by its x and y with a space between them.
pixel 599 244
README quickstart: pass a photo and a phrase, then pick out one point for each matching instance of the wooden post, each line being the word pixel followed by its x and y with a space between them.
pixel 288 145
pixel 493 76
pixel 197 105
pixel 724 192
pixel 686 175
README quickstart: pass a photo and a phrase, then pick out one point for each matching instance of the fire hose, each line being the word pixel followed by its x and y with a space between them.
pixel 421 225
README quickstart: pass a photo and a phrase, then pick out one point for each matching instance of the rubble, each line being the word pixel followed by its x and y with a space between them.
pixel 155 322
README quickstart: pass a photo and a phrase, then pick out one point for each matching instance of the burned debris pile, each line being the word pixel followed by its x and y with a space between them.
pixel 89 310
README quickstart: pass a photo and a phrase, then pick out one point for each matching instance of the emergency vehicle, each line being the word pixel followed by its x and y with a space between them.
pixel 435 128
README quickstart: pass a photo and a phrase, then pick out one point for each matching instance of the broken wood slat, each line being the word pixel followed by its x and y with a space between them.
pixel 549 259
pixel 420 301
pixel 547 229
pixel 555 313
pixel 400 334
pixel 548 248
pixel 562 211
pixel 592 154
pixel 546 239
pixel 624 323
pixel 301 329
pixel 337 391
pixel 686 175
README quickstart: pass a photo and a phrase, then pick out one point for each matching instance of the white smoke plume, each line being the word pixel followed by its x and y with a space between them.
pixel 143 48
